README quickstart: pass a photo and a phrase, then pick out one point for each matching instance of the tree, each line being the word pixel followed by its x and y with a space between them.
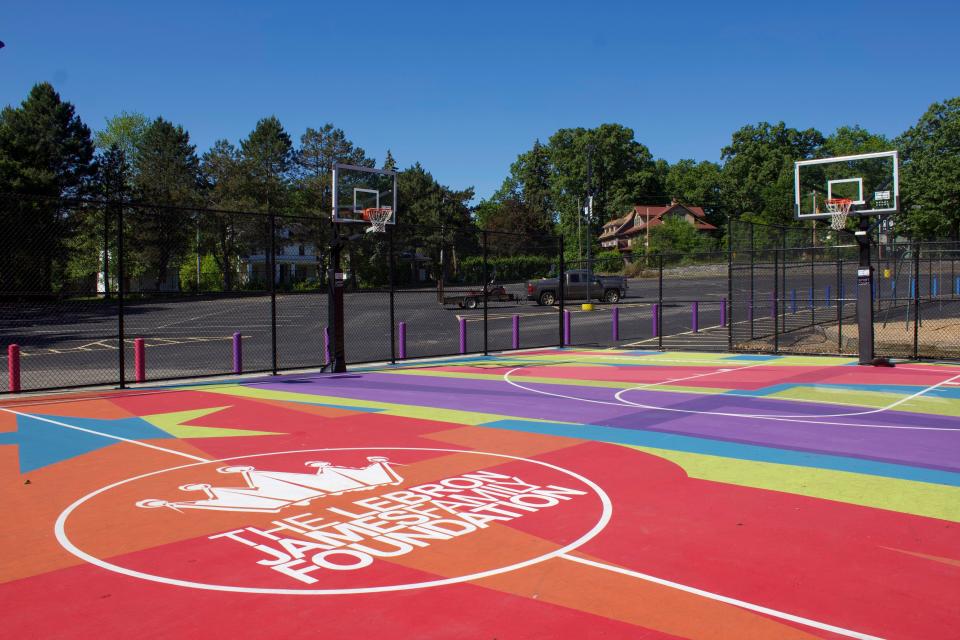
pixel 623 172
pixel 167 179
pixel 757 174
pixel 267 157
pixel 125 131
pixel 93 242
pixel 45 150
pixel 697 184
pixel 677 236
pixel 223 228
pixel 389 163
pixel 848 141
pixel 319 150
pixel 435 217
pixel 930 190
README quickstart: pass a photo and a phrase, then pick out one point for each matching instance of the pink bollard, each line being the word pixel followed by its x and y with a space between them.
pixel 139 360
pixel 13 368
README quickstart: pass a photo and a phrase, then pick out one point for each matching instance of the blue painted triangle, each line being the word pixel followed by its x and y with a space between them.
pixel 42 443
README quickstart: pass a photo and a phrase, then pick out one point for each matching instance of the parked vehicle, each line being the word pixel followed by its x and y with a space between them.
pixel 578 286
pixel 474 298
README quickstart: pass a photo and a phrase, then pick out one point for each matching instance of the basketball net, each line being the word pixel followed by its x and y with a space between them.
pixel 378 217
pixel 839 209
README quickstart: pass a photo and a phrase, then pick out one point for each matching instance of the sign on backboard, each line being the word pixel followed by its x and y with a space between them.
pixel 871 181
pixel 356 189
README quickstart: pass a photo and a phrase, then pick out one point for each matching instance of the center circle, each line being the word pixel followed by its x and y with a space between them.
pixel 60 529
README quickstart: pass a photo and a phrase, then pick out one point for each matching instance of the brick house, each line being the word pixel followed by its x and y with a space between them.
pixel 632 230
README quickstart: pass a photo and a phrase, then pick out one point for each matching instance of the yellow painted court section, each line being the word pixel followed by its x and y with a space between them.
pixel 918 498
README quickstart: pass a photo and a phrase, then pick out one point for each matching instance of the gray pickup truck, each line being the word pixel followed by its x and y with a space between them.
pixel 577 286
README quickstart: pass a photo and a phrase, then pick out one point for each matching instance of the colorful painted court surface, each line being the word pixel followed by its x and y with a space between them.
pixel 542 494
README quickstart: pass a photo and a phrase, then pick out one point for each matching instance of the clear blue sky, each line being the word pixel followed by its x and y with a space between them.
pixel 463 87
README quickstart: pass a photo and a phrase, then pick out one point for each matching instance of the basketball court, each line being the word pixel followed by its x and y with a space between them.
pixel 548 493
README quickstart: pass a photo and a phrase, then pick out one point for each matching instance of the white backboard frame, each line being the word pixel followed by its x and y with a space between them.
pixel 894 202
pixel 338 171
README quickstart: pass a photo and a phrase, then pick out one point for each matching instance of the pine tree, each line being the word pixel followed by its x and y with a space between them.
pixel 166 179
pixel 45 150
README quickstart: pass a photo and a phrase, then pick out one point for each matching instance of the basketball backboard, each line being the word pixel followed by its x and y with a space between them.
pixel 870 180
pixel 358 188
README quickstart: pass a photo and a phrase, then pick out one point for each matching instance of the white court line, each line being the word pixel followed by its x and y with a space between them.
pixel 782 417
pixel 725 599
pixel 811 419
pixel 105 435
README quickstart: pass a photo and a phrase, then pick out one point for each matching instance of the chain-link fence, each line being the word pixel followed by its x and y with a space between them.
pixel 95 293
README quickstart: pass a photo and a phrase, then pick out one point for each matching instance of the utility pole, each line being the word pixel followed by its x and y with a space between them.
pixel 589 211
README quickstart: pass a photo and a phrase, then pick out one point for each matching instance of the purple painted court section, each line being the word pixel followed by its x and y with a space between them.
pixel 597 406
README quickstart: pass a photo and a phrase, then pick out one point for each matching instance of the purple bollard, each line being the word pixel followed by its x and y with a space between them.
pixel 237 353
pixel 463 335
pixel 139 360
pixel 655 319
pixel 566 327
pixel 516 332
pixel 615 320
pixel 326 345
pixel 695 317
pixel 723 312
pixel 13 368
pixel 402 339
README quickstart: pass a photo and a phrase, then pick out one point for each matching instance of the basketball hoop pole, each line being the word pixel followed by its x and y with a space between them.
pixel 335 284
pixel 865 294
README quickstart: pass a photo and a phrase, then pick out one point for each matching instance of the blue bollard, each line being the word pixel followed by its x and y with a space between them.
pixel 934 286
pixel 793 300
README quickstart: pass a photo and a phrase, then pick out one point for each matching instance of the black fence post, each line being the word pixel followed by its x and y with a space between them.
pixel 776 296
pixel 486 278
pixel 660 304
pixel 752 291
pixel 729 311
pixel 561 276
pixel 916 301
pixel 391 266
pixel 272 263
pixel 106 252
pixel 121 294
pixel 840 300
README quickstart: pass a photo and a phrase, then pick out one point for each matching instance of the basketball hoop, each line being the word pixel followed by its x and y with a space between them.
pixel 378 217
pixel 839 209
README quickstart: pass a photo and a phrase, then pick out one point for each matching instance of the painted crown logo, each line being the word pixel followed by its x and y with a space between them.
pixel 271 491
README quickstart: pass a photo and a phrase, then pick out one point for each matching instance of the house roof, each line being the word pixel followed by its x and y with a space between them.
pixel 651 216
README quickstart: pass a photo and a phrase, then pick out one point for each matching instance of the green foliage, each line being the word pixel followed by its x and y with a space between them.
pixel 847 141
pixel 267 157
pixel 698 184
pixel 45 149
pixel 757 175
pixel 930 190
pixel 124 131
pixel 623 171
pixel 210 280
pixel 676 235
pixel 167 172
pixel 507 268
